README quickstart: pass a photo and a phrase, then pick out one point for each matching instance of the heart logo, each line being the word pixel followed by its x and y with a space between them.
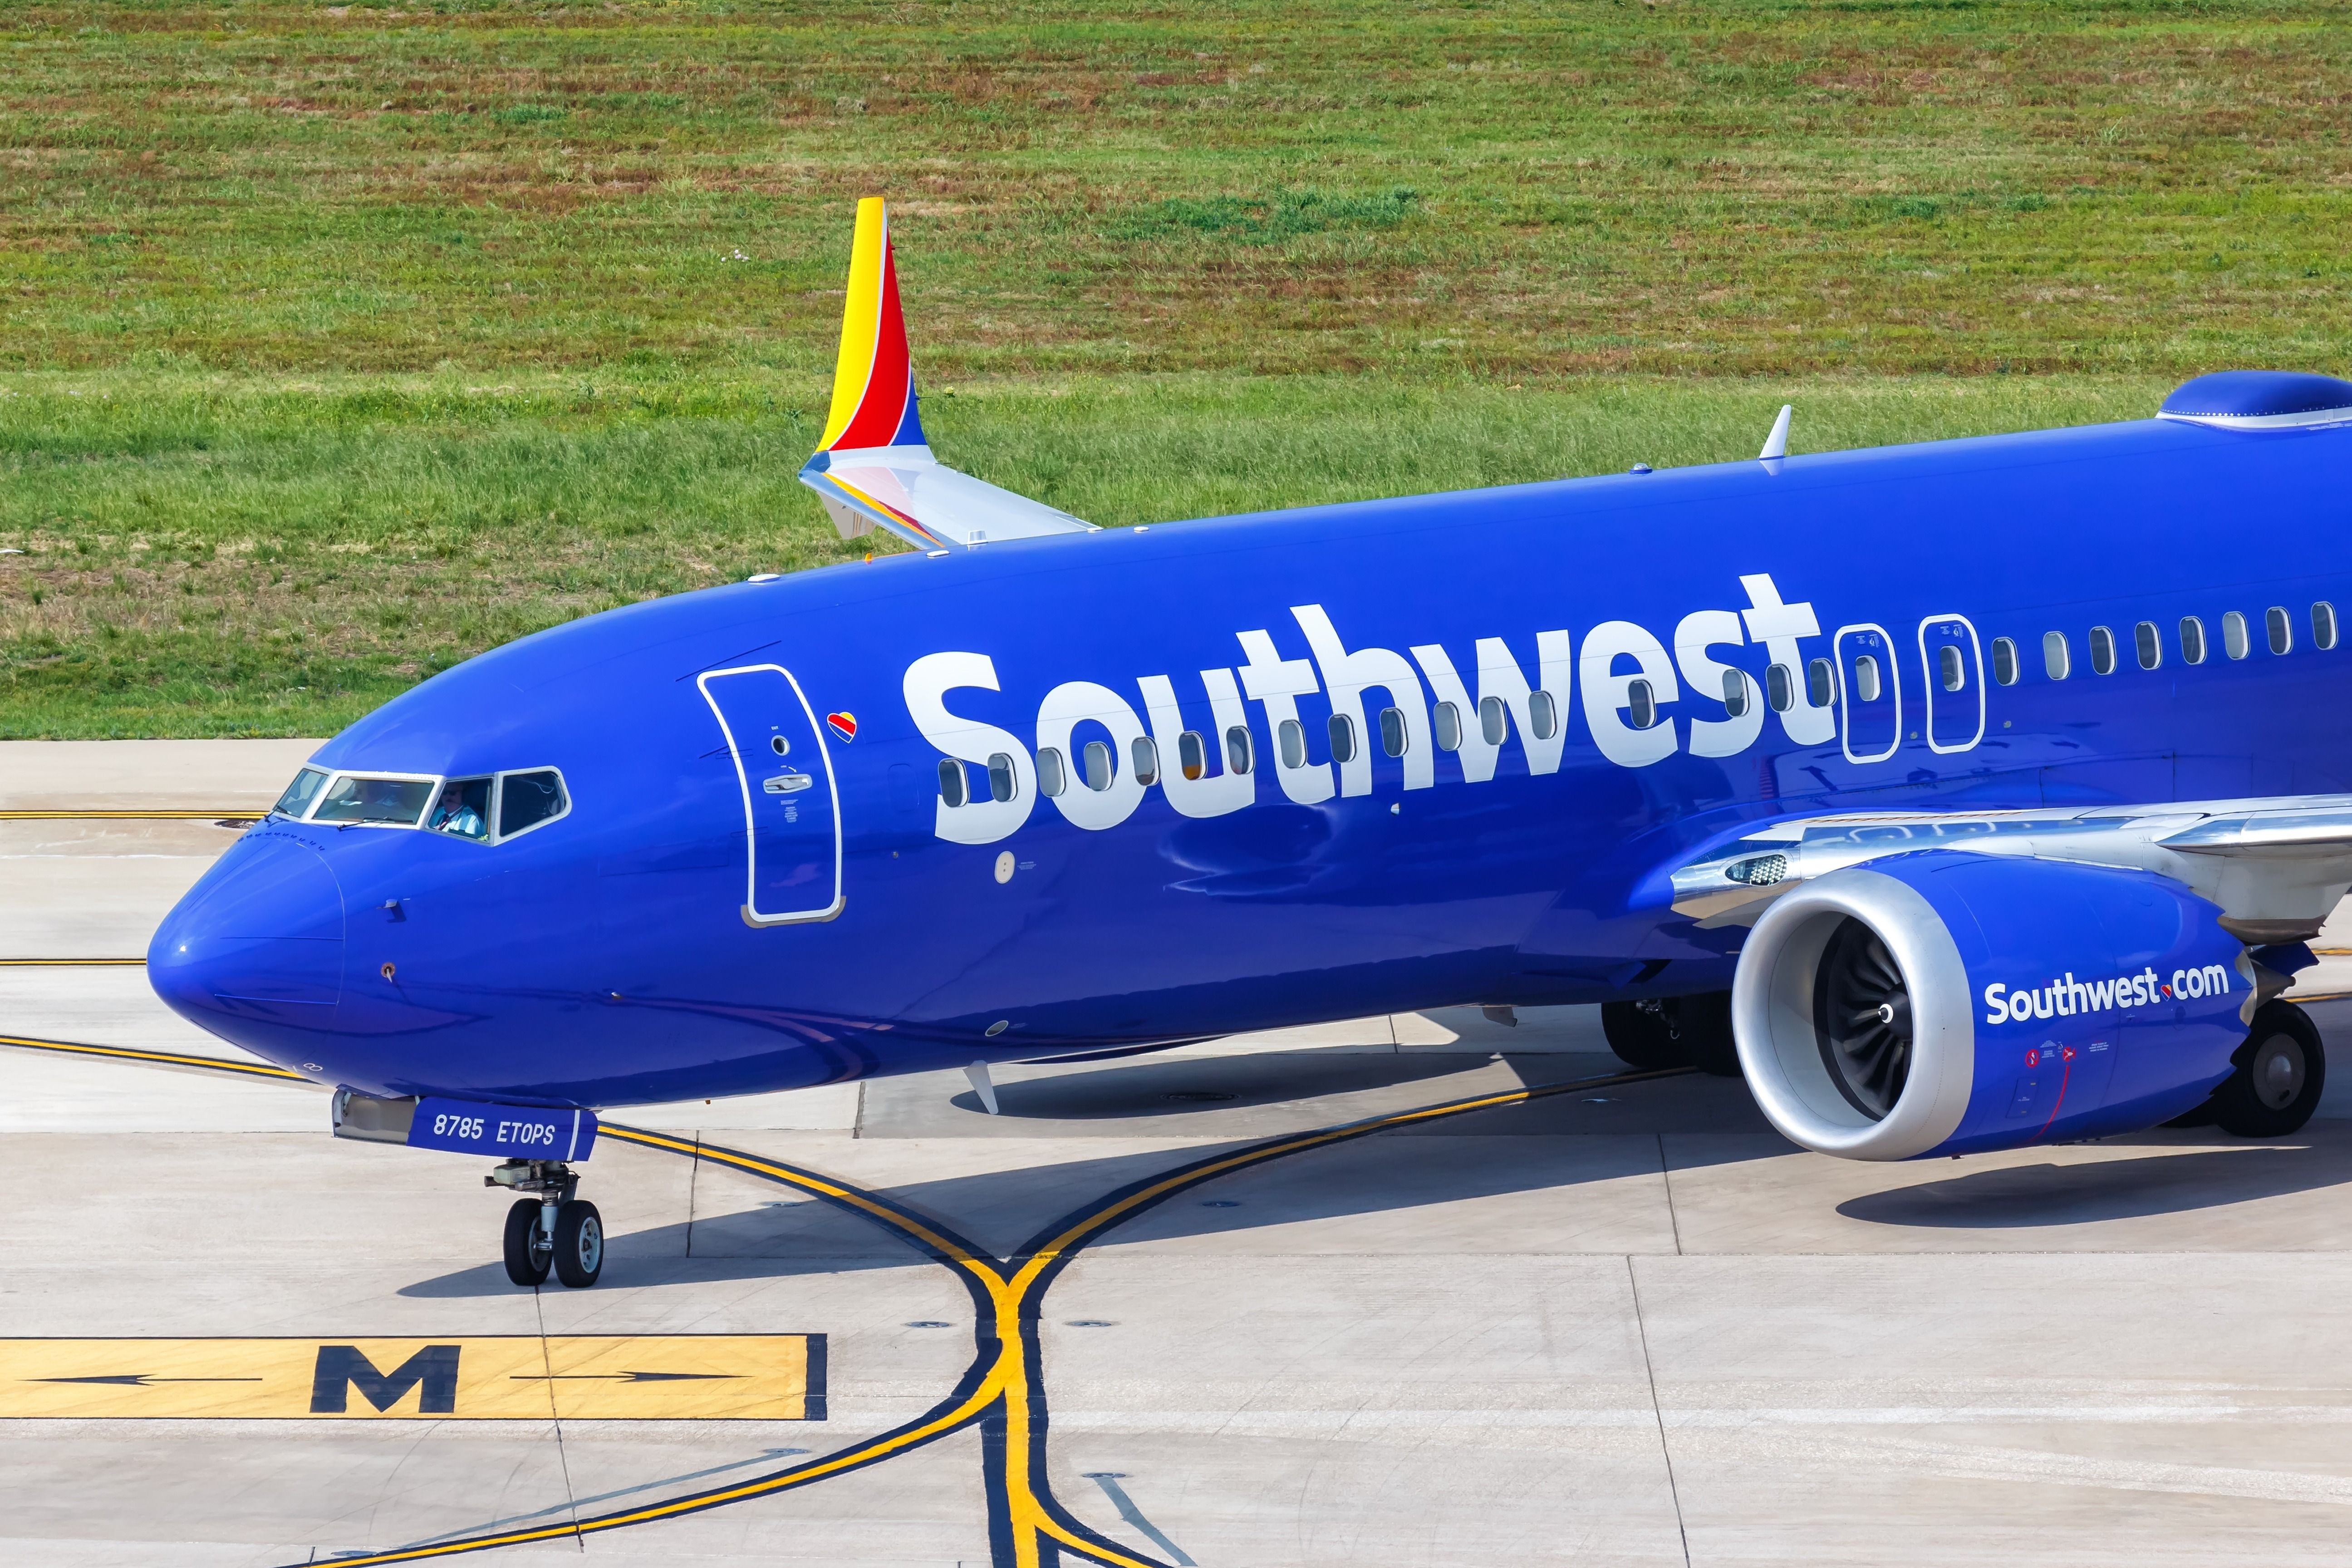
pixel 844 725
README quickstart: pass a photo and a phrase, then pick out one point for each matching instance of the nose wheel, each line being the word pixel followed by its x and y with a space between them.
pixel 555 1230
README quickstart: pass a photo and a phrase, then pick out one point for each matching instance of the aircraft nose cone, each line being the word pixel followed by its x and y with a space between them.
pixel 257 947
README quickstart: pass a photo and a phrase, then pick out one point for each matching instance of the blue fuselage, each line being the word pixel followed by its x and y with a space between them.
pixel 622 954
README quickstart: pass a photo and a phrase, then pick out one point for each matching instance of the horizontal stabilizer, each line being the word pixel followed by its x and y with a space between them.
pixel 875 470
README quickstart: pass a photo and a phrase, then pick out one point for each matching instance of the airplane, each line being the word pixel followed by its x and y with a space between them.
pixel 1908 782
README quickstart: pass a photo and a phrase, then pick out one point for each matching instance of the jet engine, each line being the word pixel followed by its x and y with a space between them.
pixel 1946 1003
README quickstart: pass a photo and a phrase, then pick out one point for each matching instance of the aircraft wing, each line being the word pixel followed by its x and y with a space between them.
pixel 874 469
pixel 924 502
pixel 2276 865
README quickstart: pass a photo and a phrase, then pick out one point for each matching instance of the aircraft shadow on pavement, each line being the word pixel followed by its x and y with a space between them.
pixel 2020 1197
pixel 1304 1089
pixel 1237 1083
pixel 1492 1155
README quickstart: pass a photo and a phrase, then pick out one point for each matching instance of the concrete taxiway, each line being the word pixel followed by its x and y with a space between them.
pixel 1620 1322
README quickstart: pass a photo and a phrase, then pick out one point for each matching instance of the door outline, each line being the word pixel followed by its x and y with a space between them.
pixel 1846 704
pixel 1928 678
pixel 751 917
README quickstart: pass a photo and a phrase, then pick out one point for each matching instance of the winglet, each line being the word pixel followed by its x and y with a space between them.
pixel 874 469
pixel 1776 444
pixel 874 379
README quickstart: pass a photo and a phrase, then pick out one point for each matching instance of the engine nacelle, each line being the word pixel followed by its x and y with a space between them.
pixel 1944 1002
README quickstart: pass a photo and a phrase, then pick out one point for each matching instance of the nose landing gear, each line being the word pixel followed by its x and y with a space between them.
pixel 554 1229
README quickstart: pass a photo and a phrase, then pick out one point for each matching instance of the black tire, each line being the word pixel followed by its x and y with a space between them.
pixel 2281 1070
pixel 579 1245
pixel 1638 1031
pixel 524 1266
pixel 1674 1032
pixel 1703 1026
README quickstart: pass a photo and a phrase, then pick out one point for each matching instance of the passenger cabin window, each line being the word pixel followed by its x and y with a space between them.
pixel 1735 693
pixel 952 781
pixel 1192 754
pixel 2103 651
pixel 2281 629
pixel 1145 755
pixel 1290 741
pixel 2057 661
pixel 1543 715
pixel 1779 689
pixel 2192 640
pixel 462 809
pixel 300 793
pixel 381 802
pixel 1865 678
pixel 1446 720
pixel 1821 683
pixel 1491 720
pixel 2004 661
pixel 1003 781
pixel 2148 645
pixel 2323 626
pixel 1948 668
pixel 1238 749
pixel 1393 734
pixel 1094 765
pixel 1053 774
pixel 2233 634
pixel 527 800
pixel 1343 738
pixel 1641 704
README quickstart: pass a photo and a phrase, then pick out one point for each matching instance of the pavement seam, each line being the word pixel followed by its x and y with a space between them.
pixel 1650 1371
pixel 1003 1390
pixel 1667 1174
pixel 555 1416
pixel 693 1184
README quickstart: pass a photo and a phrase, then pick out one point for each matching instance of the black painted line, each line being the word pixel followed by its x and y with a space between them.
pixel 618 1492
pixel 159 1058
pixel 1016 1285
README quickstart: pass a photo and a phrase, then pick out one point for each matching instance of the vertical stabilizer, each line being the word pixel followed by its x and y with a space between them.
pixel 874 379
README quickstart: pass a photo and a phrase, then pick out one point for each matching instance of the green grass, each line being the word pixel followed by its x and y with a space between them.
pixel 338 343
pixel 241 556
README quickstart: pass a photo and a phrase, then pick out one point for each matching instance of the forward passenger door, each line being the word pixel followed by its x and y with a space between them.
pixel 792 807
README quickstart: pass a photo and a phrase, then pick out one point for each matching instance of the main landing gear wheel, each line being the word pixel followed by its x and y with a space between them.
pixel 1674 1032
pixel 579 1244
pixel 2281 1068
pixel 526 1260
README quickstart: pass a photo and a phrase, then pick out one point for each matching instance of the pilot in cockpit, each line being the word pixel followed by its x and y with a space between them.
pixel 462 809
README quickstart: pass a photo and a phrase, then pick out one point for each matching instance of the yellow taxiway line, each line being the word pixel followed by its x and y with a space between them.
pixel 139 814
pixel 1004 1388
pixel 156 1059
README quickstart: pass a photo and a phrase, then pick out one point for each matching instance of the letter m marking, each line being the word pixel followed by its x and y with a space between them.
pixel 343 1367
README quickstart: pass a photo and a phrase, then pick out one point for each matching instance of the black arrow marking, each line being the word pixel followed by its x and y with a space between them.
pixel 620 1376
pixel 140 1379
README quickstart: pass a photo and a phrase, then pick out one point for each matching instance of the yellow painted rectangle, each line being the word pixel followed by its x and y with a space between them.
pixel 581 1377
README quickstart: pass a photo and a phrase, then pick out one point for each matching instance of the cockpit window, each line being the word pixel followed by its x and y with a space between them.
pixel 300 793
pixel 462 808
pixel 526 800
pixel 390 803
